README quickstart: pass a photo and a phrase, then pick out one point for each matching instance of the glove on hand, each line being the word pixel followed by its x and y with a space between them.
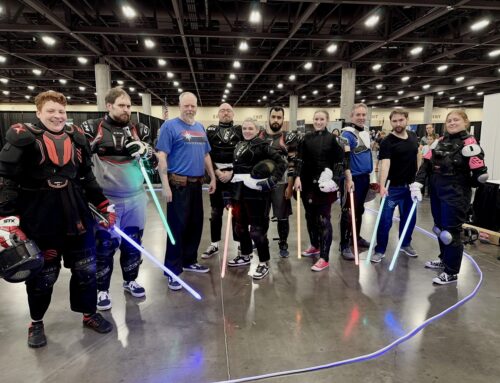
pixel 326 175
pixel 328 186
pixel 139 149
pixel 108 212
pixel 10 231
pixel 248 181
pixel 416 193
pixel 267 184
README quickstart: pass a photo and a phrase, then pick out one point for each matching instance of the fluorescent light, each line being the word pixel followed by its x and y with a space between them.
pixel 372 21
pixel 494 53
pixel 255 17
pixel 460 78
pixel 6 92
pixel 140 94
pixel 68 97
pixel 480 93
pixel 175 83
pixel 3 59
pixel 180 90
pixel 162 62
pixel 264 97
pixel 440 93
pixel 330 86
pixel 426 86
pixel 303 97
pixel 358 92
pixel 416 97
pixel 452 98
pixel 280 85
pixel 396 101
pixel 50 41
pixel 226 91
pixel 379 86
pixel 329 100
pixel 460 101
pixel 37 72
pixel 27 97
pixel 4 80
pixel 128 11
pixel 478 25
pixel 332 48
pixel 232 76
pixel 292 77
pixel 442 68
pixel 308 65
pixel 315 91
pixel 259 100
pixel 363 100
pixel 131 88
pixel 83 60
pixel 470 87
pixel 170 75
pixel 417 50
pixel 377 66
pixel 271 91
pixel 82 88
pixel 379 97
pixel 149 43
pixel 243 46
pixel 405 78
pixel 236 64
pixel 119 82
pixel 229 85
pixel 400 92
pixel 31 87
pixel 63 81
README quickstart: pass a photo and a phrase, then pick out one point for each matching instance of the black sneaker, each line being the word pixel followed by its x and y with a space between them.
pixel 196 268
pixel 173 284
pixel 239 260
pixel 97 323
pixel 210 252
pixel 445 278
pixel 36 335
pixel 283 249
pixel 363 243
pixel 436 264
pixel 261 272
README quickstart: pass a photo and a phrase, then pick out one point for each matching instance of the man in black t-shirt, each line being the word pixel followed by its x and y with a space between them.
pixel 398 163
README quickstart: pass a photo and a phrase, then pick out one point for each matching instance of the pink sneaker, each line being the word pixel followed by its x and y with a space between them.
pixel 320 264
pixel 310 251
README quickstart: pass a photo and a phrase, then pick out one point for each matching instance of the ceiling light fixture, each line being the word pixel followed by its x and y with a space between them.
pixel 83 60
pixel 4 80
pixel 63 81
pixel 470 87
pixel 426 86
pixel 379 97
pixel 82 88
pixel 478 25
pixel 330 86
pixel 440 93
pixel 120 82
pixel 232 76
pixel 376 67
pixel 175 83
pixel 379 86
pixel 129 12
pixel 303 97
pixel 358 92
pixel 400 92
pixel 37 72
pixel 308 65
pixel 416 97
pixel 452 98
pixel 280 85
pixel 329 100
pixel 180 90
pixel 31 87
pixel 243 46
pixel 132 89
pixel 292 77
pixel 332 48
pixel 255 17
pixel 372 21
pixel 442 68
pixel 6 92
pixel 149 43
pixel 416 50
pixel 162 62
pixel 264 97
pixel 315 91
pixel 229 85
pixel 170 75
pixel 460 78
pixel 480 93
pixel 236 64
pixel 3 59
pixel 494 53
pixel 50 41
pixel 405 78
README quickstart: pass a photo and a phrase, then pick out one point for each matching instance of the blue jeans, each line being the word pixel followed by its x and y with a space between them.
pixel 398 196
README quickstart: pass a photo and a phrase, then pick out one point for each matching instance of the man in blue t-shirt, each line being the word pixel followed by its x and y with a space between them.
pixel 182 160
pixel 357 140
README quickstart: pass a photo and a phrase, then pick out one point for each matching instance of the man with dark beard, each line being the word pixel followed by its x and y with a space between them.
pixel 398 159
pixel 117 145
pixel 286 143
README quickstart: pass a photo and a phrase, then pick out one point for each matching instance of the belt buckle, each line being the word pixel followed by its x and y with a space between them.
pixel 57 183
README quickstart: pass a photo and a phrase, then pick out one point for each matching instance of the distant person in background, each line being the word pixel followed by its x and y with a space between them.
pixel 376 146
pixel 336 132
pixel 429 133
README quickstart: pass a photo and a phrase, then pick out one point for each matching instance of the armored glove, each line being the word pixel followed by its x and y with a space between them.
pixel 416 193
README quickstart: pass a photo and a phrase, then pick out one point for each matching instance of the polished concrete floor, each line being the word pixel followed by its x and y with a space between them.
pixel 292 319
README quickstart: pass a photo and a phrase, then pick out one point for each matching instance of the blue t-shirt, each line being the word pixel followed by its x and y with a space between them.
pixel 361 156
pixel 186 146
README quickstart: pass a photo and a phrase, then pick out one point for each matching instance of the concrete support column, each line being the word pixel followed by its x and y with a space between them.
pixel 368 117
pixel 146 104
pixel 490 134
pixel 102 84
pixel 293 105
pixel 428 105
pixel 347 89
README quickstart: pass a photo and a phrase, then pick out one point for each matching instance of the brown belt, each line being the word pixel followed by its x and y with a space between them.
pixel 179 180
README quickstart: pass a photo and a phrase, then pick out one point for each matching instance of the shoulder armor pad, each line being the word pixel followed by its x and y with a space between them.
pixel 291 137
pixel 22 134
pixel 471 150
pixel 212 128
pixel 90 127
pixel 77 133
pixel 144 131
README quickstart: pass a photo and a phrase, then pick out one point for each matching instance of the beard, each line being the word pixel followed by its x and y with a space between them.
pixel 275 127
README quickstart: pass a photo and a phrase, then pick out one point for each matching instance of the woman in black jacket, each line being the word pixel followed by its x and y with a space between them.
pixel 320 165
pixel 257 167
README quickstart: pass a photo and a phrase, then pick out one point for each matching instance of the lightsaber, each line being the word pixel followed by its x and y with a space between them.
pixel 226 242
pixel 152 191
pixel 353 221
pixel 377 222
pixel 299 252
pixel 170 236
pixel 403 233
pixel 147 254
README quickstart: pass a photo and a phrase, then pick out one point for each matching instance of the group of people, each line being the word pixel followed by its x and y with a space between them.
pixel 65 187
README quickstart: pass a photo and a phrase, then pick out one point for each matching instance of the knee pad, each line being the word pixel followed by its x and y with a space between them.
pixel 105 245
pixel 447 237
pixel 84 266
pixel 436 230
pixel 46 278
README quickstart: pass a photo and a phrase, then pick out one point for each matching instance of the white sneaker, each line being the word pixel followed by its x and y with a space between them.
pixel 103 300
pixel 210 252
pixel 134 288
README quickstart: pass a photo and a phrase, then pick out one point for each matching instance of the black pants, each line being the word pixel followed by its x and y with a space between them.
pixel 217 203
pixel 78 253
pixel 319 225
pixel 185 217
pixel 361 186
pixel 253 213
pixel 450 202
